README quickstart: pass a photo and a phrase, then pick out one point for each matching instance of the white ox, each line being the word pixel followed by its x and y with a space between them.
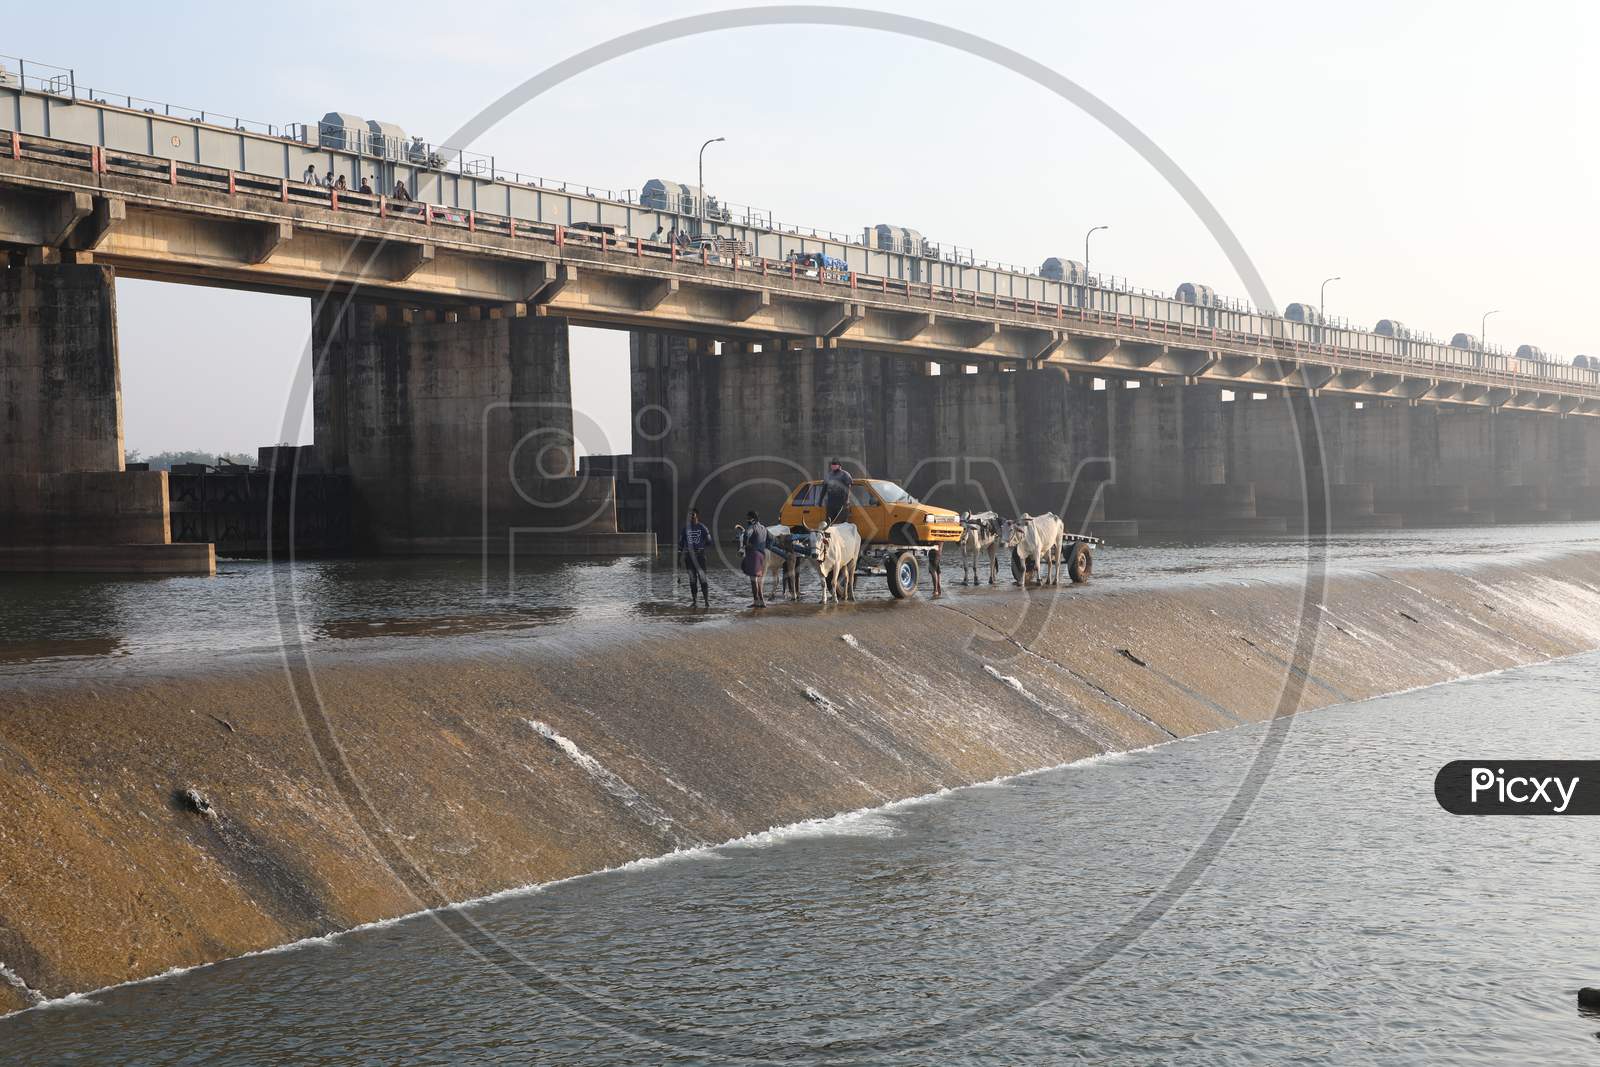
pixel 835 549
pixel 980 533
pixel 1037 540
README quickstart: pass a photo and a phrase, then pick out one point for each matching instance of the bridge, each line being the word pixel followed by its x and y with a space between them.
pixel 440 334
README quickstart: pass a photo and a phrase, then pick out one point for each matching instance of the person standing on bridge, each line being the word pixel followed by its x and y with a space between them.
pixel 694 541
pixel 366 186
pixel 310 176
pixel 836 492
pixel 400 191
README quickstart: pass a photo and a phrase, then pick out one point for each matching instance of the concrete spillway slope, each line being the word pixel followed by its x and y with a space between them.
pixel 168 821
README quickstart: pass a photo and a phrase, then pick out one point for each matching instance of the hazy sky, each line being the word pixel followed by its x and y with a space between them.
pixel 1440 157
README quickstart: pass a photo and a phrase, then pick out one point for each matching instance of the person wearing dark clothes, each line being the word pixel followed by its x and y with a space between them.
pixel 836 492
pixel 756 539
pixel 933 571
pixel 694 540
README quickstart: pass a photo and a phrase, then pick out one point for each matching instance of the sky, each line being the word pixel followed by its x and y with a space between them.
pixel 1440 158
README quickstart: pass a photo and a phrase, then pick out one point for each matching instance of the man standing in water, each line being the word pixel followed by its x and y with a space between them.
pixel 754 564
pixel 836 492
pixel 694 540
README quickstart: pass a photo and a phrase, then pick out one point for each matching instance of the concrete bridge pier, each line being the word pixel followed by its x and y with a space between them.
pixel 1508 461
pixel 456 429
pixel 1168 440
pixel 1578 466
pixel 732 427
pixel 66 501
pixel 1394 447
pixel 1304 456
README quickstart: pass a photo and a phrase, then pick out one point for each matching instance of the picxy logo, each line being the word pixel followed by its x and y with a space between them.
pixel 1519 787
pixel 1520 790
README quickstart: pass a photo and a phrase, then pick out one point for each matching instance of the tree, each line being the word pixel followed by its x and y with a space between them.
pixel 164 461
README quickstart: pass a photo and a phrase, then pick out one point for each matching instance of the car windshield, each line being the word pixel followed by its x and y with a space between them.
pixel 893 494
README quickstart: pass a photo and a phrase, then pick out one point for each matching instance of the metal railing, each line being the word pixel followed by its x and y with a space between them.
pixel 587 244
pixel 30 75
pixel 417 152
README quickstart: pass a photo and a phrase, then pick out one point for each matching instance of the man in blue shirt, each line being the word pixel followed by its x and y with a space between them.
pixel 694 541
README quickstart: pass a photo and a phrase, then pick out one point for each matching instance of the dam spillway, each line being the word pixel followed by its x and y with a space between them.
pixel 197 822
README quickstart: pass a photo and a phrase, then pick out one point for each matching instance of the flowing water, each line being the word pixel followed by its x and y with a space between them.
pixel 1347 920
pixel 63 626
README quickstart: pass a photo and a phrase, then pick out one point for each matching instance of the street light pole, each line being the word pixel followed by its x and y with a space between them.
pixel 1483 329
pixel 1322 300
pixel 701 191
pixel 1086 237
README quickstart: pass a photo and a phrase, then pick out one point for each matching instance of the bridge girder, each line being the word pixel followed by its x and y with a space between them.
pixel 149 229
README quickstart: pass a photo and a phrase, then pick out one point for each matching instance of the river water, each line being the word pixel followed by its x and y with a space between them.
pixel 65 626
pixel 1347 920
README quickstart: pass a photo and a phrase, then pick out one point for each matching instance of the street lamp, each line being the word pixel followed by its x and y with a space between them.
pixel 1086 237
pixel 1483 329
pixel 702 189
pixel 1322 300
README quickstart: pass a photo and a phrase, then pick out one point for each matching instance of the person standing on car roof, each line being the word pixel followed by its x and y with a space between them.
pixel 836 492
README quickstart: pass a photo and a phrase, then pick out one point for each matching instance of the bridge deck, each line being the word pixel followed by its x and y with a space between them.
pixel 154 217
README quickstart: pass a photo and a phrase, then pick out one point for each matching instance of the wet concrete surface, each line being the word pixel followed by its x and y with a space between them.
pixel 350 779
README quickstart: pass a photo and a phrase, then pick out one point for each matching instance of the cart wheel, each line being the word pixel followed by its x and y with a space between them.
pixel 904 572
pixel 1080 562
pixel 1016 566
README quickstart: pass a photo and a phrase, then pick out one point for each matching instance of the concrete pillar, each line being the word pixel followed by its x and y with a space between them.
pixel 60 382
pixel 1294 449
pixel 1578 465
pixel 732 432
pixel 457 436
pixel 1419 464
pixel 1509 461
pixel 66 503
pixel 1527 467
pixel 1167 438
pixel 1009 442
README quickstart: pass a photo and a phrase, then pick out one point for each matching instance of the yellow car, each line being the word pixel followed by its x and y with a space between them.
pixel 881 510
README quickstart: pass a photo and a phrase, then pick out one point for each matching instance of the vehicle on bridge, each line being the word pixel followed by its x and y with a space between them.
pixel 898 531
pixel 819 265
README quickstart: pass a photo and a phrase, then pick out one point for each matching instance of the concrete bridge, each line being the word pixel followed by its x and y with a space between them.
pixel 442 383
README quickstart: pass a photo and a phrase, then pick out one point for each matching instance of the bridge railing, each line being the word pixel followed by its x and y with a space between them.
pixel 1300 342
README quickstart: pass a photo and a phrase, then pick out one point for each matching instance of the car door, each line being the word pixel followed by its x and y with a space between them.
pixel 869 513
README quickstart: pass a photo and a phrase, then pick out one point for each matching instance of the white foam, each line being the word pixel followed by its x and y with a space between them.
pixel 612 784
pixel 1011 682
pixel 12 978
